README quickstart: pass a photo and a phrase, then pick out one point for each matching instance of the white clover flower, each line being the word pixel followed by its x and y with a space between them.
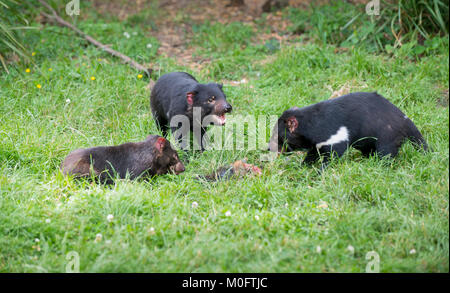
pixel 151 231
pixel 67 101
pixel 149 46
pixel 47 221
pixel 412 251
pixel 194 205
pixel 318 249
pixel 351 249
pixel 286 205
pixel 127 35
pixel 228 214
pixel 37 240
pixel 98 237
pixel 256 217
pixel 110 218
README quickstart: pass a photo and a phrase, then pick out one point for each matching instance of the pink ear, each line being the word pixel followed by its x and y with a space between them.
pixel 190 98
pixel 292 124
pixel 160 143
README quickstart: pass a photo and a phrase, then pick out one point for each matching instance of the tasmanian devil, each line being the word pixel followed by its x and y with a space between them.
pixel 153 156
pixel 179 93
pixel 366 121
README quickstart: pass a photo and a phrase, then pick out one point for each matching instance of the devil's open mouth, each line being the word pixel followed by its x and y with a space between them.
pixel 219 119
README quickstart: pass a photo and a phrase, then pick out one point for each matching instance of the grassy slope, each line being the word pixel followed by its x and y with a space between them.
pixel 389 207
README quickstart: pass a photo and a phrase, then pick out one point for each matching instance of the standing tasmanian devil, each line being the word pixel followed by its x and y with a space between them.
pixel 179 93
pixel 153 156
pixel 365 121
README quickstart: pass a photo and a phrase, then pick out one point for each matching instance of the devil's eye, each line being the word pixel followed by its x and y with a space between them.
pixel 211 99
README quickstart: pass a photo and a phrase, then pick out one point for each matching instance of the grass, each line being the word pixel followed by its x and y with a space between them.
pixel 398 23
pixel 277 220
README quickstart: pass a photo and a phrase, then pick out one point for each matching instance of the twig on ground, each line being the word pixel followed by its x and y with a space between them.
pixel 54 16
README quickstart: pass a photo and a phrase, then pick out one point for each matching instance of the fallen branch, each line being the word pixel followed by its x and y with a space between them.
pixel 54 16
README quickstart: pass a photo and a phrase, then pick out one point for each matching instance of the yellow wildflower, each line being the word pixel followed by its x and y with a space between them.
pixel 27 70
pixel 139 76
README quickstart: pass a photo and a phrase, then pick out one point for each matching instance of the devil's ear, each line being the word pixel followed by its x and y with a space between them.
pixel 160 144
pixel 220 85
pixel 292 124
pixel 190 97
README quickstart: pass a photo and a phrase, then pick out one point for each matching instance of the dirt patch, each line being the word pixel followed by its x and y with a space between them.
pixel 120 8
pixel 176 36
pixel 176 18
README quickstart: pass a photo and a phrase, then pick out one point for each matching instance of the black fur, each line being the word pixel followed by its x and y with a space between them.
pixel 374 125
pixel 154 156
pixel 169 97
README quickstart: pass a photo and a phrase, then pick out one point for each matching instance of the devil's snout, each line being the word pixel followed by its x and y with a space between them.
pixel 179 168
pixel 228 108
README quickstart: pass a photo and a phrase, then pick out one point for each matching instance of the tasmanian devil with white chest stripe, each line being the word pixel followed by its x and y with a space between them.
pixel 366 121
pixel 179 93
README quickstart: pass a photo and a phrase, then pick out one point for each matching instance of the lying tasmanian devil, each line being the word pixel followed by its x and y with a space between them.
pixel 365 121
pixel 179 93
pixel 153 156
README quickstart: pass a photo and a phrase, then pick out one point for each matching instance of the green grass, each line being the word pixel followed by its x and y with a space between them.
pixel 390 207
pixel 399 22
pixel 231 48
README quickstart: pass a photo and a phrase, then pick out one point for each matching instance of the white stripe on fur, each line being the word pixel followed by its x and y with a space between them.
pixel 340 136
